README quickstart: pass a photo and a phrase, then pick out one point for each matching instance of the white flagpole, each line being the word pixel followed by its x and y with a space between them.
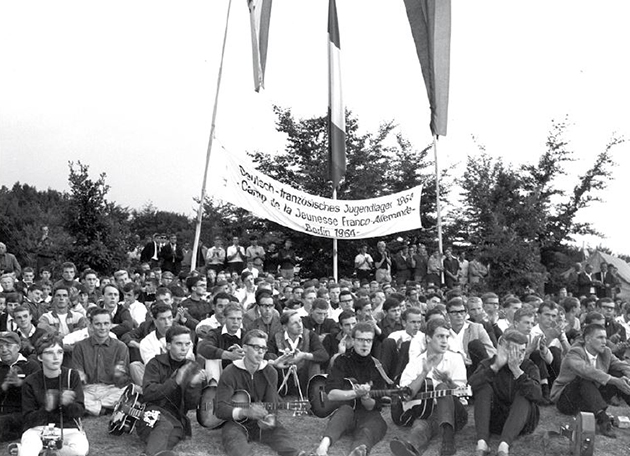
pixel 437 195
pixel 193 264
pixel 334 258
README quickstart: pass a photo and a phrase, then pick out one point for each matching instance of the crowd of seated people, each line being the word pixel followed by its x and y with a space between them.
pixel 245 315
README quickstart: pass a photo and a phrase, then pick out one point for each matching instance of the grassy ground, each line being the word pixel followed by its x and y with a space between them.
pixel 307 431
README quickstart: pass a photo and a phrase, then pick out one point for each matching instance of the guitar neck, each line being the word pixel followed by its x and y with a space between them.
pixel 436 394
pixel 271 406
pixel 387 392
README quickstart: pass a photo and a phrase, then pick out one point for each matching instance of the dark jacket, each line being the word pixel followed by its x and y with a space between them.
pixel 504 385
pixel 11 399
pixel 33 399
pixel 216 342
pixel 161 391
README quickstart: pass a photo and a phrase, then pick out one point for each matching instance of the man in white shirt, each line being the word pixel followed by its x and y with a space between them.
pixel 443 369
pixel 363 264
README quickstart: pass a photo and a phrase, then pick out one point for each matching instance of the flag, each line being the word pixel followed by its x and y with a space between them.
pixel 259 16
pixel 336 111
pixel 430 22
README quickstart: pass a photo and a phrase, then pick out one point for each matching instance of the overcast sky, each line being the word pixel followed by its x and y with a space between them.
pixel 128 87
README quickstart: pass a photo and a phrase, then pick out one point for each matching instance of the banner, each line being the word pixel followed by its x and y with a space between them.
pixel 244 186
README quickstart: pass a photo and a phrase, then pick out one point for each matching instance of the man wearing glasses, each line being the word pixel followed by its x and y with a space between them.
pixel 255 375
pixel 468 338
pixel 364 420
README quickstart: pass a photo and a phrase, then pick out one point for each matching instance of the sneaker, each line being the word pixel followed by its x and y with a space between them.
pixel 13 449
pixel 606 429
pixel 400 447
pixel 361 450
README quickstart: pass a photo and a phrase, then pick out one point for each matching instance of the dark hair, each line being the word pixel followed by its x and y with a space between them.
pixel 88 271
pixel 345 315
pixel 174 331
pixel 363 327
pixel 526 311
pixel 14 296
pixel 193 281
pixel 360 303
pixel 222 295
pixel 390 303
pixel 489 295
pixel 46 341
pixel 94 311
pixel 158 308
pixel 68 265
pixel 60 287
pixel 547 304
pixel 592 316
pixel 22 308
pixel 455 302
pixel 434 311
pixel 320 303
pixel 591 328
pixel 570 303
pixel 131 286
pixel 263 294
pixel 514 336
pixel 433 325
pixel 510 300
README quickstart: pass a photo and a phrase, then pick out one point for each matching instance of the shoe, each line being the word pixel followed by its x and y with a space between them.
pixel 400 447
pixel 386 400
pixel 606 429
pixel 361 450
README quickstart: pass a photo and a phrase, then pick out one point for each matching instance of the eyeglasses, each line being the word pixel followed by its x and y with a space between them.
pixel 608 307
pixel 363 341
pixel 268 306
pixel 457 312
pixel 258 348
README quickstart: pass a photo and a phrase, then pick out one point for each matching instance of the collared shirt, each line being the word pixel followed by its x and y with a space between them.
pixel 239 251
pixel 452 364
pixel 294 344
pixel 215 255
pixel 591 358
pixel 238 333
pixel 98 360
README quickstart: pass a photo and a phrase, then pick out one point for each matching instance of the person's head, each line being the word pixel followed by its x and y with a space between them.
pixel 346 301
pixel 164 296
pixel 7 282
pixel 548 314
pixel 319 310
pixel 490 303
pixel 49 349
pixel 391 307
pixel 594 338
pixel 28 275
pixel 131 291
pixel 167 278
pixel 10 344
pixel 233 314
pixel 292 323
pixel 513 339
pixel 334 290
pixel 571 307
pixel 23 318
pixel 297 292
pixel 363 338
pixel 178 342
pixel 220 301
pixel 197 285
pixel 588 268
pixel 100 323
pixel 90 279
pixel 347 321
pixel 235 240
pixel 308 297
pixel 12 301
pixel 363 308
pixel 475 309
pixel 111 297
pixel 162 315
pixel 511 305
pixel 68 271
pixel 61 299
pixel 456 311
pixel 288 244
pixel 607 307
pixel 433 300
pixel 255 346
pixel 524 320
pixel 412 320
pixel 437 334
pixel 594 318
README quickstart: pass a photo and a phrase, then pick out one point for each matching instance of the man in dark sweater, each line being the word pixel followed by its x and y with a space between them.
pixel 171 386
pixel 224 343
pixel 256 376
pixel 506 390
pixel 365 420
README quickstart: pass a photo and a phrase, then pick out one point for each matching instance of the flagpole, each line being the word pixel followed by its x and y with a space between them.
pixel 193 264
pixel 335 267
pixel 437 195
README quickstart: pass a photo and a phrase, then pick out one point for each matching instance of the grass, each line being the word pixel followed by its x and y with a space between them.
pixel 307 431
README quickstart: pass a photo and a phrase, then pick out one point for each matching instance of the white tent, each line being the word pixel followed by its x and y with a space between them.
pixel 623 269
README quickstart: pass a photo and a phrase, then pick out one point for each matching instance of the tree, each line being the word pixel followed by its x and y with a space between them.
pixel 520 221
pixel 99 229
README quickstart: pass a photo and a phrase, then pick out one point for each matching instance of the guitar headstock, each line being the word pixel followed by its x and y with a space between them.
pixel 463 391
pixel 299 408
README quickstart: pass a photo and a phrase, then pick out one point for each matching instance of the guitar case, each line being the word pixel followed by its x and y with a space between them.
pixel 581 434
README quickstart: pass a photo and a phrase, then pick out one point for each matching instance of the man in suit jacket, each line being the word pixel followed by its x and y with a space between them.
pixel 151 252
pixel 172 256
pixel 590 375
pixel 586 282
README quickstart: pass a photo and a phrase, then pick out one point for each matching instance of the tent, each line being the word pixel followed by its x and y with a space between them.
pixel 623 269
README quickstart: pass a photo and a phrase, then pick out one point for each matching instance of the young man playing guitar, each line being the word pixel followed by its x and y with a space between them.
pixel 365 418
pixel 444 369
pixel 256 376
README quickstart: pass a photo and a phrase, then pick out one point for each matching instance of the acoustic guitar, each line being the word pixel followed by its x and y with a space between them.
pixel 404 413
pixel 207 404
pixel 323 407
pixel 128 410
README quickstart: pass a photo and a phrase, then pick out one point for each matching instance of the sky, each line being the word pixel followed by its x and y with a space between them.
pixel 128 88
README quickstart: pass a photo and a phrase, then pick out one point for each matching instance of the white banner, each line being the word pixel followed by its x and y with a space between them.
pixel 237 181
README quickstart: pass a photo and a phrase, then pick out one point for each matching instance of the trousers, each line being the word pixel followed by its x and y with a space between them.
pixel 368 426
